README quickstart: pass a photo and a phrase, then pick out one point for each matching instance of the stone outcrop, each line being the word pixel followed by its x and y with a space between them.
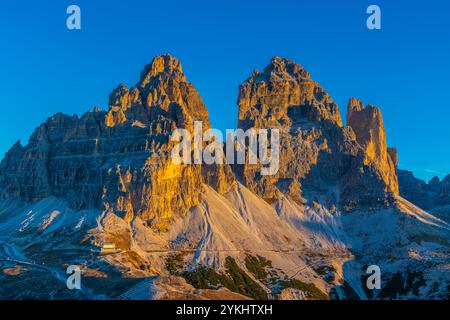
pixel 318 157
pixel 367 123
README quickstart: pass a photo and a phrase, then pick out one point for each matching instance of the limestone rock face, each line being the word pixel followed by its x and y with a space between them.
pixel 118 160
pixel 162 99
pixel 367 123
pixel 318 157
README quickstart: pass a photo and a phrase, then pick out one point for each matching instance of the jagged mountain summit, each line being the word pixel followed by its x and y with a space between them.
pixel 101 192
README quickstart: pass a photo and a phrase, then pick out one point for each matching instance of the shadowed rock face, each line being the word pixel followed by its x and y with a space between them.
pixel 317 153
pixel 429 195
pixel 118 160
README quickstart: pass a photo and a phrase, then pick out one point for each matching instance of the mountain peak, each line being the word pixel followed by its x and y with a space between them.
pixel 162 94
pixel 166 65
pixel 282 69
pixel 354 104
pixel 284 92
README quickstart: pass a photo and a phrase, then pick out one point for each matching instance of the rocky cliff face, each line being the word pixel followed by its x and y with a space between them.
pixel 367 123
pixel 345 165
pixel 118 160
pixel 429 196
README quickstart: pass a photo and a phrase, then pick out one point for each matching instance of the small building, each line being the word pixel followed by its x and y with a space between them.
pixel 108 248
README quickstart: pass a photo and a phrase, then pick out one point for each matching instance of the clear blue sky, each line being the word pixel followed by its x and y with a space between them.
pixel 404 68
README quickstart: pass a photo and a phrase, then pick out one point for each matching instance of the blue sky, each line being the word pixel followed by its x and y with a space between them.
pixel 403 68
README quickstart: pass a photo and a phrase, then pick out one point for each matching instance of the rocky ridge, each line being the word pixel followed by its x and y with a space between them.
pixel 433 196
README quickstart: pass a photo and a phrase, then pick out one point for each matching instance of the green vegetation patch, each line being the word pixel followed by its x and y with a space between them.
pixel 175 263
pixel 257 266
pixel 235 280
pixel 309 289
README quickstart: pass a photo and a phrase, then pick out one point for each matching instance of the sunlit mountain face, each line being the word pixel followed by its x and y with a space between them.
pixel 95 207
